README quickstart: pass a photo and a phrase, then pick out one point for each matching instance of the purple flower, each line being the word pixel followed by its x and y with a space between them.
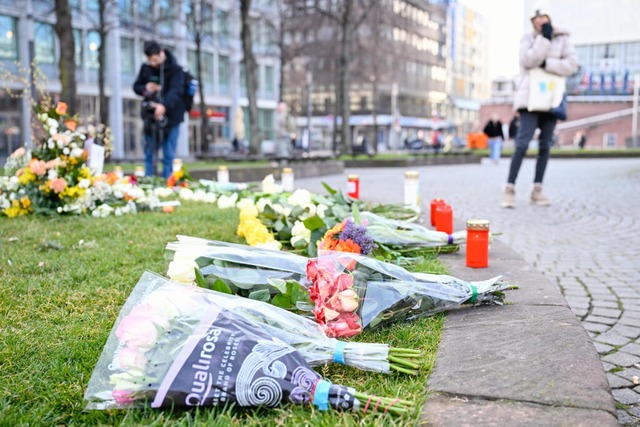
pixel 358 233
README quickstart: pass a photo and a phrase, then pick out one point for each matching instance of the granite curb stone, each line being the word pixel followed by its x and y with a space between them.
pixel 529 362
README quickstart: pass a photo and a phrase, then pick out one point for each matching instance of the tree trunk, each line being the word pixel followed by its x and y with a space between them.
pixel 251 67
pixel 102 63
pixel 204 123
pixel 344 78
pixel 67 62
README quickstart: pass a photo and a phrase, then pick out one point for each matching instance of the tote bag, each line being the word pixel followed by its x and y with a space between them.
pixel 545 90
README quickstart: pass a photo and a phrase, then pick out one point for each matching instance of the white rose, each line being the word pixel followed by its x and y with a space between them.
pixel 262 203
pixel 65 150
pixel 13 183
pixel 226 202
pixel 52 174
pixel 118 212
pixel 209 198
pixel 245 202
pixel 300 197
pixel 52 123
pixel 269 185
pixel 53 131
pixel 51 144
pixel 84 183
pixel 273 245
pixel 182 271
pixel 320 210
pixel 186 194
pixel 300 232
pixel 76 152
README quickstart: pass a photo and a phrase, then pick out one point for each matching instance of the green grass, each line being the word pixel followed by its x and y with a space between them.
pixel 56 319
pixel 197 165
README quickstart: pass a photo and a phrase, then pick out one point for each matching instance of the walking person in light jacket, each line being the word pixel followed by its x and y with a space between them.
pixel 547 47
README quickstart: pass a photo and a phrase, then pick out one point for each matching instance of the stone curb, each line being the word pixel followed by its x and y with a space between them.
pixel 529 362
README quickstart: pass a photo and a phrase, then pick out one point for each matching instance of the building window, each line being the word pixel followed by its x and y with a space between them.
pixel 269 85
pixel 222 20
pixel 224 73
pixel 92 5
pixel 165 17
pixel 143 8
pixel 45 43
pixel 207 65
pixel 8 38
pixel 127 59
pixel 77 40
pixel 125 10
pixel 265 121
pixel 92 44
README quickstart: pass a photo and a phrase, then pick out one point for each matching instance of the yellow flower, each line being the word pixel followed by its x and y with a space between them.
pixel 252 229
pixel 25 202
pixel 72 192
pixel 84 172
pixel 26 176
pixel 17 208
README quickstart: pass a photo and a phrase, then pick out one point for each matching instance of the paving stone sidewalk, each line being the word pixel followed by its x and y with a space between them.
pixel 587 243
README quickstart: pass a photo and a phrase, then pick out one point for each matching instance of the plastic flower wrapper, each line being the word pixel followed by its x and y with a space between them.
pixel 180 346
pixel 349 292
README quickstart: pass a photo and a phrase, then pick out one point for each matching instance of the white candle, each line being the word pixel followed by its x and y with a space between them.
pixel 412 190
pixel 287 179
pixel 223 174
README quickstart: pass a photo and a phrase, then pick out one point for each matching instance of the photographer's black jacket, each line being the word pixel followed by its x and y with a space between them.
pixel 173 84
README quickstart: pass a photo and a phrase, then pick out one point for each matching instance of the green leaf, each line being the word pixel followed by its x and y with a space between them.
pixel 328 188
pixel 313 243
pixel 279 284
pixel 279 225
pixel 203 261
pixel 300 244
pixel 200 279
pixel 220 286
pixel 356 214
pixel 296 212
pixel 261 295
pixel 313 223
pixel 282 301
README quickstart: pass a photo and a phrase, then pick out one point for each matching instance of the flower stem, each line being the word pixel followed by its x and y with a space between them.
pixel 404 362
pixel 396 406
pixel 402 369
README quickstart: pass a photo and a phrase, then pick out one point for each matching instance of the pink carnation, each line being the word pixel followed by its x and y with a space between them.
pixel 38 167
pixel 58 185
pixel 122 397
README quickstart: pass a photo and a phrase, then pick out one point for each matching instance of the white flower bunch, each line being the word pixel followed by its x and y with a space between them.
pixel 226 202
pixel 102 211
pixel 269 185
pixel 163 192
pixel 300 233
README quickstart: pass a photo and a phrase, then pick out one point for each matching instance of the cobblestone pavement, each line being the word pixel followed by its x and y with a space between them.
pixel 587 241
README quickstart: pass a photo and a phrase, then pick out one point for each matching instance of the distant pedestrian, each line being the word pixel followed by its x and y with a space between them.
pixel 580 140
pixel 549 48
pixel 493 130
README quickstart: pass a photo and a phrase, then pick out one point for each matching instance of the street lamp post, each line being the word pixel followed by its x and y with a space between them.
pixel 307 142
pixel 634 117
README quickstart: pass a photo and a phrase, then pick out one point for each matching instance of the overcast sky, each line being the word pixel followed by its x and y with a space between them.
pixel 505 27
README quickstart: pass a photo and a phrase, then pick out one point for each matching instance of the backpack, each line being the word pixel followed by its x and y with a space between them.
pixel 190 90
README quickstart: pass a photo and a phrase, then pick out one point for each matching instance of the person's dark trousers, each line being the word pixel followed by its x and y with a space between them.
pixel 529 122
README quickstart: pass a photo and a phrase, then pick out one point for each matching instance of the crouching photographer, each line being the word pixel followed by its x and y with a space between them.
pixel 161 81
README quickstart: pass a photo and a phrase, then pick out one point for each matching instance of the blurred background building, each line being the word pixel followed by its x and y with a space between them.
pixel 131 22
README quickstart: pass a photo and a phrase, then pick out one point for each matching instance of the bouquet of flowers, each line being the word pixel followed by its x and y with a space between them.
pixel 181 346
pixel 348 291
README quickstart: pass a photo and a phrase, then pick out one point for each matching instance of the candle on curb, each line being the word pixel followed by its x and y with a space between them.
pixel 434 203
pixel 353 186
pixel 223 174
pixel 444 218
pixel 139 171
pixel 287 179
pixel 177 165
pixel 477 243
pixel 412 189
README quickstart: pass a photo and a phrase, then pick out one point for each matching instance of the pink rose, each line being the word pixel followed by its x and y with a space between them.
pixel 52 163
pixel 137 331
pixel 58 185
pixel 348 301
pixel 347 325
pixel 38 167
pixel 122 397
pixel 343 282
pixel 149 311
pixel 330 314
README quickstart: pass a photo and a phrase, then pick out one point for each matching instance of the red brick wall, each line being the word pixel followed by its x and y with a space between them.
pixel 578 110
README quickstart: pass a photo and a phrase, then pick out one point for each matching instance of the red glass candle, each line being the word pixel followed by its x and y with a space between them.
pixel 444 218
pixel 477 243
pixel 435 202
pixel 353 186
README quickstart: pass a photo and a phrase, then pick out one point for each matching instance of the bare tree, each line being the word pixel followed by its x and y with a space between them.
pixel 251 68
pixel 348 16
pixel 200 28
pixel 67 60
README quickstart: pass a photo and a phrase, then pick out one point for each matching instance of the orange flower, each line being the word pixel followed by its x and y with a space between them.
pixel 71 124
pixel 171 182
pixel 111 178
pixel 38 167
pixel 61 108
pixel 348 246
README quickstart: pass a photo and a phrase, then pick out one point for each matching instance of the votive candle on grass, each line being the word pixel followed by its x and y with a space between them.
pixel 477 243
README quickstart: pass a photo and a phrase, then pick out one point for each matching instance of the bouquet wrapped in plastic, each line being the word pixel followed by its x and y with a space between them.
pixel 349 292
pixel 182 346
